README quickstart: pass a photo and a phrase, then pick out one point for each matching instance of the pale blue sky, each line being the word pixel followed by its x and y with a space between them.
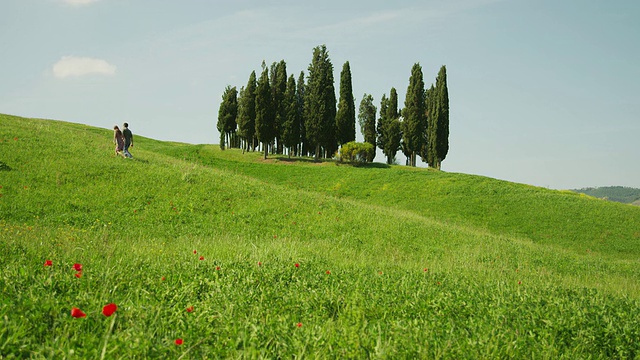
pixel 543 92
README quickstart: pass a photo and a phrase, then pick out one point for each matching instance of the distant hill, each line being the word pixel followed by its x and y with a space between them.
pixel 619 194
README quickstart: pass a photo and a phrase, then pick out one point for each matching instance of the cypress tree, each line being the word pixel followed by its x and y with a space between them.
pixel 227 113
pixel 291 123
pixel 367 121
pixel 300 94
pixel 429 153
pixel 346 115
pixel 265 113
pixel 437 133
pixel 320 102
pixel 442 134
pixel 247 111
pixel 382 122
pixel 392 110
pixel 414 114
pixel 278 87
pixel 389 132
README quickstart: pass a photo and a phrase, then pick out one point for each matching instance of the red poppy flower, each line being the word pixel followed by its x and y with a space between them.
pixel 519 282
pixel 275 236
pixel 259 263
pixel 77 267
pixel 109 309
pixel 48 263
pixel 78 274
pixel 77 313
pixel 328 272
pixel 163 278
pixel 190 309
pixel 15 139
pixel 299 324
pixel 426 269
pixel 201 257
pixel 195 252
pixel 296 265
pixel 179 341
pixel 217 267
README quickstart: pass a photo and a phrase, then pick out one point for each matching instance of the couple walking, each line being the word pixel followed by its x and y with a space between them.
pixel 123 140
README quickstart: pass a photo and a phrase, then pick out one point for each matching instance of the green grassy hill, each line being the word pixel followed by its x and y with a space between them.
pixel 391 261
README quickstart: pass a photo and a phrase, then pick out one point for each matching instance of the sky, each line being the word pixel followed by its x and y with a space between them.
pixel 542 92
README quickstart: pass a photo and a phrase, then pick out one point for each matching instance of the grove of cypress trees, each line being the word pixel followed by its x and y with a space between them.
pixel 346 115
pixel 367 121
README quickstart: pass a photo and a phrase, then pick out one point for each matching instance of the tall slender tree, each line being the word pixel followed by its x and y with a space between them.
pixel 291 123
pixel 247 112
pixel 320 102
pixel 300 95
pixel 437 134
pixel 265 113
pixel 382 120
pixel 414 114
pixel 227 114
pixel 389 132
pixel 367 121
pixel 429 153
pixel 346 115
pixel 278 87
pixel 442 135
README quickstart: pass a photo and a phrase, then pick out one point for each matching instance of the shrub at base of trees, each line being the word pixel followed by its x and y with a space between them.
pixel 355 152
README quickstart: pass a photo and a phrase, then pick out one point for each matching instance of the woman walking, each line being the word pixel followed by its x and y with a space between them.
pixel 118 139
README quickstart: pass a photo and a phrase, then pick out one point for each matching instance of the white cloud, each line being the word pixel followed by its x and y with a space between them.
pixel 72 66
pixel 79 2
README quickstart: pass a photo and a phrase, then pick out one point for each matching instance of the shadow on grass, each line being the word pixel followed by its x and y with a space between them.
pixel 309 160
pixel 295 159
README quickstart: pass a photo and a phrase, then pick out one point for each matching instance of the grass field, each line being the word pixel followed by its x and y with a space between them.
pixel 238 257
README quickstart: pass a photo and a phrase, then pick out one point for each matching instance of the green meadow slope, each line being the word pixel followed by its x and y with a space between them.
pixel 392 262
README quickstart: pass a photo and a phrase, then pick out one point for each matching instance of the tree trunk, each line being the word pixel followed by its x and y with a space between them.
pixel 316 156
pixel 266 149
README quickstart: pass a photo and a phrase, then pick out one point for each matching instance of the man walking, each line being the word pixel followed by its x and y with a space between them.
pixel 128 140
